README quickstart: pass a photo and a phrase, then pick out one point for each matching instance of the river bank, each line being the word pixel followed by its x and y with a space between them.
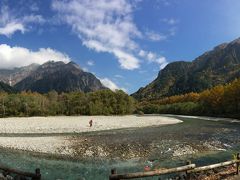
pixel 78 124
pixel 38 134
pixel 120 137
pixel 91 154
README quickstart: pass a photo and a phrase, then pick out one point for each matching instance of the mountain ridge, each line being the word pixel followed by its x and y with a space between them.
pixel 60 77
pixel 15 75
pixel 217 66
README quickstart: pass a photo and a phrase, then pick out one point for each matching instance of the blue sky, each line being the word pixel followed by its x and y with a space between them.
pixel 123 42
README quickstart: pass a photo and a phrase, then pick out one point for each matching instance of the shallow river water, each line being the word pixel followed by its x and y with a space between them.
pixel 129 150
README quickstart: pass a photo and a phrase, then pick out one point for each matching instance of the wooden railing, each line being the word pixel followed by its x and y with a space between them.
pixel 10 171
pixel 188 169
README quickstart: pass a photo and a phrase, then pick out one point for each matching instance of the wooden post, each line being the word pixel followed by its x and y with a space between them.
pixel 38 174
pixel 238 158
pixel 187 173
pixel 113 172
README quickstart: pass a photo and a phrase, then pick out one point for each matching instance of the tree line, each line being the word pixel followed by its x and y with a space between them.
pixel 103 102
pixel 221 100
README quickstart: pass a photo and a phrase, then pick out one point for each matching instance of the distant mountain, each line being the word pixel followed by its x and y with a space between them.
pixel 60 77
pixel 218 66
pixel 6 88
pixel 13 76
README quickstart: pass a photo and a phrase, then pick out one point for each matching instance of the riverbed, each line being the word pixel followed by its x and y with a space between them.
pixel 128 149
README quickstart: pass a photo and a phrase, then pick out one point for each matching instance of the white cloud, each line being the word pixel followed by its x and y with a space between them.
pixel 110 84
pixel 98 46
pixel 171 21
pixel 172 31
pixel 33 19
pixel 11 28
pixel 161 60
pixel 18 56
pixel 142 71
pixel 11 23
pixel 163 65
pixel 104 26
pixel 108 26
pixel 86 69
pixel 126 60
pixel 33 6
pixel 153 36
pixel 90 63
pixel 142 53
pixel 153 58
pixel 164 2
pixel 118 76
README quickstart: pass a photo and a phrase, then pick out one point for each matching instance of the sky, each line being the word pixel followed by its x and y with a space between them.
pixel 125 43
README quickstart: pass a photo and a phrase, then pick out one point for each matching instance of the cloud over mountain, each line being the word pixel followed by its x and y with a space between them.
pixel 111 85
pixel 18 56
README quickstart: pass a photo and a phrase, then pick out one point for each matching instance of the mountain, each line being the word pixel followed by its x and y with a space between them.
pixel 60 77
pixel 6 88
pixel 218 66
pixel 13 76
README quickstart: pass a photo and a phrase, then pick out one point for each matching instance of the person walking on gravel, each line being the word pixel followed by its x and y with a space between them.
pixel 91 123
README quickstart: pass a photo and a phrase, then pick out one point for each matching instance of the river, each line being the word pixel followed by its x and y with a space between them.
pixel 129 150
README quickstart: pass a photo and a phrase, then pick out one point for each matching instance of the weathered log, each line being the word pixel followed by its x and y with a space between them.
pixel 213 166
pixel 36 175
pixel 189 168
pixel 151 173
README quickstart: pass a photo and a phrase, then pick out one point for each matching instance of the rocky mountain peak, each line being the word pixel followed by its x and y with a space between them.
pixel 52 64
pixel 236 41
pixel 61 77
pixel 221 46
pixel 218 66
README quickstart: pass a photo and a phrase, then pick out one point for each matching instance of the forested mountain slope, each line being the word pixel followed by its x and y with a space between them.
pixel 218 66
